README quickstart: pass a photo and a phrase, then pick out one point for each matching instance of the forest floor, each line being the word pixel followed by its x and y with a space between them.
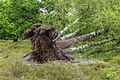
pixel 13 67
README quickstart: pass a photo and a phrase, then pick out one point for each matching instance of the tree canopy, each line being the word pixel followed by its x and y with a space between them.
pixel 18 15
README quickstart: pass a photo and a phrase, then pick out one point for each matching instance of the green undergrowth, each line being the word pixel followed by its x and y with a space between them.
pixel 12 66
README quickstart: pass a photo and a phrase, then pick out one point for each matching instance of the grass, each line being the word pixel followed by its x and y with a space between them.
pixel 12 66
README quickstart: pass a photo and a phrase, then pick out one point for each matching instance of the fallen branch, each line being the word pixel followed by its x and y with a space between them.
pixel 11 46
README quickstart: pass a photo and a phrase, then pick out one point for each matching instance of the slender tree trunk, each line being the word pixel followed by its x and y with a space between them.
pixel 66 43
pixel 86 46
pixel 69 35
pixel 65 29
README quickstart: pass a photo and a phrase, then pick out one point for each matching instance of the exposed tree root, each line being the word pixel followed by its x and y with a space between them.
pixel 47 46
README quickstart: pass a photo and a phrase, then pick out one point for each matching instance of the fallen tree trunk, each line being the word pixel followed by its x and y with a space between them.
pixel 65 29
pixel 67 43
pixel 87 45
pixel 46 45
pixel 69 35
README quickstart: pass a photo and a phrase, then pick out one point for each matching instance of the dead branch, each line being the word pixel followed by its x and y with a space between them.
pixel 11 46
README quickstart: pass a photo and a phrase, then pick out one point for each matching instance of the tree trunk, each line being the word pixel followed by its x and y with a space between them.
pixel 87 45
pixel 67 43
pixel 47 47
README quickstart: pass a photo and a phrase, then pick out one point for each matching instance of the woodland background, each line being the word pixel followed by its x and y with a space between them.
pixel 18 15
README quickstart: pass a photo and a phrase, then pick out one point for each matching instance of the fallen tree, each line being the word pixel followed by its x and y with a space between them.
pixel 48 45
pixel 88 45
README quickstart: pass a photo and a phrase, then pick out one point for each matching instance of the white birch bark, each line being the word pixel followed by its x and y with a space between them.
pixel 66 43
pixel 86 45
pixel 69 35
pixel 65 29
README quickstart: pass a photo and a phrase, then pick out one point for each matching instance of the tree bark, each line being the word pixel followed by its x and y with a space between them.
pixel 87 45
pixel 67 43
pixel 69 35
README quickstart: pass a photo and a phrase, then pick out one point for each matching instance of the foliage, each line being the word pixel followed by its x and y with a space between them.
pixel 17 16
pixel 110 73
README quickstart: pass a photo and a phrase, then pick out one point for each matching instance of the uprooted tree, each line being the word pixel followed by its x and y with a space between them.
pixel 48 45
